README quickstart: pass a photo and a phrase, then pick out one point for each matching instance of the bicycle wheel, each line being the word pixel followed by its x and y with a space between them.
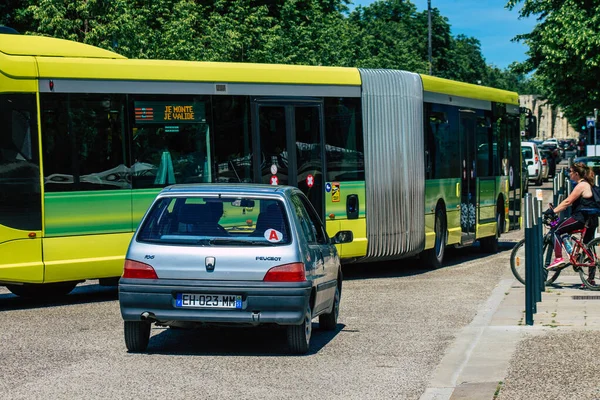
pixel 517 262
pixel 588 274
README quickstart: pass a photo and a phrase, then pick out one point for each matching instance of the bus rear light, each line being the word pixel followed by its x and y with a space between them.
pixel 138 270
pixel 286 273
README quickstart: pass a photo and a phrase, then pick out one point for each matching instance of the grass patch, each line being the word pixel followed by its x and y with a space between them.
pixel 498 388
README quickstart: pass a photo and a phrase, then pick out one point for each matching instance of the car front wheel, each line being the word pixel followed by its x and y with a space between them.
pixel 299 335
pixel 328 322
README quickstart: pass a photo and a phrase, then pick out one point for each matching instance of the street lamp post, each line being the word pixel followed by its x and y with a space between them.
pixel 429 33
pixel 595 126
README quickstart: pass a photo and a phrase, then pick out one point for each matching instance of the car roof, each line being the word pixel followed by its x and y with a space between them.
pixel 587 158
pixel 228 189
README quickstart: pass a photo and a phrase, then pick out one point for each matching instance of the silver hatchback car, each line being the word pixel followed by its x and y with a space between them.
pixel 231 254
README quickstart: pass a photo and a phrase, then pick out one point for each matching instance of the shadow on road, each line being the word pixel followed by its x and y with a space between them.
pixel 414 266
pixel 269 341
pixel 82 294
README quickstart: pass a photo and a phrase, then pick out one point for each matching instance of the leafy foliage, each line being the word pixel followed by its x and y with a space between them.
pixel 564 52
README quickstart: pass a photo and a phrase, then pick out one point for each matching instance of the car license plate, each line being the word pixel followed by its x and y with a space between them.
pixel 208 300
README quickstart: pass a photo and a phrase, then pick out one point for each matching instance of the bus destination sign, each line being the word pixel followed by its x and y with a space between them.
pixel 152 112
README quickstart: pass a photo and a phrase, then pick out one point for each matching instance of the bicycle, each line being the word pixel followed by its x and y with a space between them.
pixel 583 258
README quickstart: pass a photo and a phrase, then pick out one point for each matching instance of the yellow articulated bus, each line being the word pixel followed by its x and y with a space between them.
pixel 409 163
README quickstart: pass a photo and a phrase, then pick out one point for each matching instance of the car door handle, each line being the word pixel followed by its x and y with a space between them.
pixel 321 259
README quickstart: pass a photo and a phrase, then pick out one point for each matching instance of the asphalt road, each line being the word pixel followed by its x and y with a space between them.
pixel 396 321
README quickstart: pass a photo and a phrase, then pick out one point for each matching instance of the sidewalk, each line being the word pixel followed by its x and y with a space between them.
pixel 497 356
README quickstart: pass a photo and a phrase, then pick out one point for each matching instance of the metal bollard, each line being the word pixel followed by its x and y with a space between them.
pixel 541 282
pixel 554 189
pixel 535 281
pixel 529 257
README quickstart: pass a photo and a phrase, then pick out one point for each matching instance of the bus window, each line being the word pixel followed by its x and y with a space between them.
pixel 344 139
pixel 171 141
pixel 230 119
pixel 83 143
pixel 20 201
pixel 442 141
pixel 485 151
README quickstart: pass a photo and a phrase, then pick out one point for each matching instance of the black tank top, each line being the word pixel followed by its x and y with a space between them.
pixel 579 207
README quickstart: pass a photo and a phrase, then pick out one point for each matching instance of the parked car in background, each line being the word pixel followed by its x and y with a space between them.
pixel 591 161
pixel 524 178
pixel 548 163
pixel 531 157
pixel 242 255
pixel 555 150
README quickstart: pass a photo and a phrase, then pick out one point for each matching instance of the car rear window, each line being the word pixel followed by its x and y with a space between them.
pixel 239 221
pixel 527 152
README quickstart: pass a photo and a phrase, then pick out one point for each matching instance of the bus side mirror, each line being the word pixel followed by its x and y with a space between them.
pixel 530 126
pixel 342 237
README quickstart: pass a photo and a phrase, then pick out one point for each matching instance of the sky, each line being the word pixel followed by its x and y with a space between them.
pixel 486 20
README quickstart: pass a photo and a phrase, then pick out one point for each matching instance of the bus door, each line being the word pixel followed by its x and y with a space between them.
pixel 20 192
pixel 515 170
pixel 468 206
pixel 288 136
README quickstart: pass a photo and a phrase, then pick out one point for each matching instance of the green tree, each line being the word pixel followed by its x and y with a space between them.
pixel 441 41
pixel 385 36
pixel 466 63
pixel 276 31
pixel 564 52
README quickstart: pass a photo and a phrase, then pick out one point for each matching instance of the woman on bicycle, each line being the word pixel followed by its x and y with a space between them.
pixel 582 201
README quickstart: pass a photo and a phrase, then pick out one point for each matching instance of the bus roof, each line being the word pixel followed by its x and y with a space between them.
pixel 454 88
pixel 65 59
pixel 41 46
pixel 195 71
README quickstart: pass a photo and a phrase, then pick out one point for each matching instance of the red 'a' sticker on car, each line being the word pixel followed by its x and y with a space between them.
pixel 273 235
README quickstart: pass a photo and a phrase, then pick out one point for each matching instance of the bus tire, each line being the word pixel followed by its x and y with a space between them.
pixel 434 257
pixel 42 290
pixel 490 244
pixel 137 335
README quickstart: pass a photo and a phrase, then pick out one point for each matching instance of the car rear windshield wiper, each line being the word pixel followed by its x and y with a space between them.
pixel 219 241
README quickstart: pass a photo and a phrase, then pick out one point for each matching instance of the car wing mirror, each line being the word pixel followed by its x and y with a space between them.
pixel 342 237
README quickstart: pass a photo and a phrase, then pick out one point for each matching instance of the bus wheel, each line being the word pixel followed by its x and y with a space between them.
pixel 490 244
pixel 42 290
pixel 434 257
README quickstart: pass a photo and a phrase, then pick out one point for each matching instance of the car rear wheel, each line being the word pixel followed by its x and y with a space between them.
pixel 328 322
pixel 299 335
pixel 137 335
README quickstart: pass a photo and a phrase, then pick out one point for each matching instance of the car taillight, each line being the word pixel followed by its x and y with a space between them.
pixel 544 162
pixel 536 159
pixel 286 273
pixel 138 270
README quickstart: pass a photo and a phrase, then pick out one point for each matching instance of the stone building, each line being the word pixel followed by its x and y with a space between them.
pixel 550 120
